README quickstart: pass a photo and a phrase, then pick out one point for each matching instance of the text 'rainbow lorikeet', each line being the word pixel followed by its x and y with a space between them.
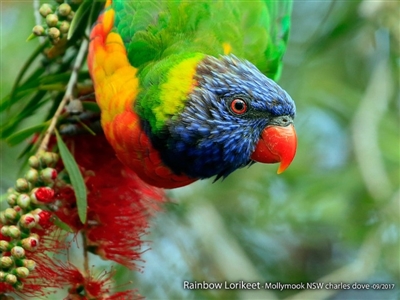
pixel 182 90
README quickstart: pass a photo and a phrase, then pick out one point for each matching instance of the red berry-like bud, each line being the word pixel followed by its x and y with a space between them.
pixel 30 243
pixel 27 221
pixel 44 194
pixel 48 175
pixel 44 218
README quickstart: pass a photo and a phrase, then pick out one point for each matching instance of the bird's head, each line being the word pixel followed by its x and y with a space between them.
pixel 233 116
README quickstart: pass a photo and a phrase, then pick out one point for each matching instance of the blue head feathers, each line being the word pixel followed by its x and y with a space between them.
pixel 223 118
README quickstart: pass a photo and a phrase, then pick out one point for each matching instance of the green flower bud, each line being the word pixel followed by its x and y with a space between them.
pixel 22 185
pixel 3 220
pixel 64 9
pixel 55 41
pixel 18 252
pixel 32 175
pixel 71 16
pixel 14 232
pixel 10 214
pixel 34 162
pixel 4 230
pixel 6 262
pixel 12 199
pixel 27 221
pixel 64 26
pixel 54 33
pixel 38 30
pixel 45 9
pixel 22 272
pixel 4 246
pixel 47 157
pixel 24 201
pixel 19 285
pixel 2 276
pixel 11 279
pixel 48 175
pixel 29 264
pixel 51 20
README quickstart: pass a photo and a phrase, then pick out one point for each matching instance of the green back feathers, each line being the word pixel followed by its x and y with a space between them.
pixel 160 35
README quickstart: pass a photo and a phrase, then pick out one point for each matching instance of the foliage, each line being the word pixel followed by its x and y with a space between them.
pixel 333 216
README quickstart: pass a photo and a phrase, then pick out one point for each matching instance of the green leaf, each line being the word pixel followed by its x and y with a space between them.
pixel 76 178
pixel 62 225
pixel 31 37
pixel 22 135
pixel 26 66
pixel 90 105
pixel 80 15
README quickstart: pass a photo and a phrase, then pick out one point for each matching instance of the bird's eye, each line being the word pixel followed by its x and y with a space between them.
pixel 238 106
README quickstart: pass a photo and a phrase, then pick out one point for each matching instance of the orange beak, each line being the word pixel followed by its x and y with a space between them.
pixel 276 144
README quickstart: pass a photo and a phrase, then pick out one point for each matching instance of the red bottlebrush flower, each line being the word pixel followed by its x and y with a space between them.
pixel 45 194
pixel 119 203
pixel 44 219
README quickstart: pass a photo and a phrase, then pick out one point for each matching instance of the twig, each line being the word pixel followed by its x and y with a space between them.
pixel 85 255
pixel 68 94
pixel 365 136
pixel 358 271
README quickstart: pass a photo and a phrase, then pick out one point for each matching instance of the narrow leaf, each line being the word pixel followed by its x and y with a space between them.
pixel 62 225
pixel 31 37
pixel 25 67
pixel 22 135
pixel 78 17
pixel 76 178
pixel 90 105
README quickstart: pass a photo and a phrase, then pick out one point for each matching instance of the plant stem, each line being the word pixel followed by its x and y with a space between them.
pixel 85 255
pixel 68 94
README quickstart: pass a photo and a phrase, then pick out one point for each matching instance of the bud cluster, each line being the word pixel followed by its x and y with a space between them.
pixel 56 19
pixel 19 221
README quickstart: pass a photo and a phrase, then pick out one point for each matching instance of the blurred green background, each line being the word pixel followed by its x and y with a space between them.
pixel 333 216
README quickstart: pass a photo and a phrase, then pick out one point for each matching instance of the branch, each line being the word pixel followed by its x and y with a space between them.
pixel 365 132
pixel 68 94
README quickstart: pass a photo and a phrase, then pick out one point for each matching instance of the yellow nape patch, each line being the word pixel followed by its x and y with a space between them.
pixel 176 89
pixel 227 48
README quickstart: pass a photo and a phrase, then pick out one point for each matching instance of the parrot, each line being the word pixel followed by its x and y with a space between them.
pixel 187 89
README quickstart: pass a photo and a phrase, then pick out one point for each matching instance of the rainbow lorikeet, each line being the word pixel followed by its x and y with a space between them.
pixel 182 90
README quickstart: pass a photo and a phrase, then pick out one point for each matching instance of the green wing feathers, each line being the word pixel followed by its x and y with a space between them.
pixel 253 30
